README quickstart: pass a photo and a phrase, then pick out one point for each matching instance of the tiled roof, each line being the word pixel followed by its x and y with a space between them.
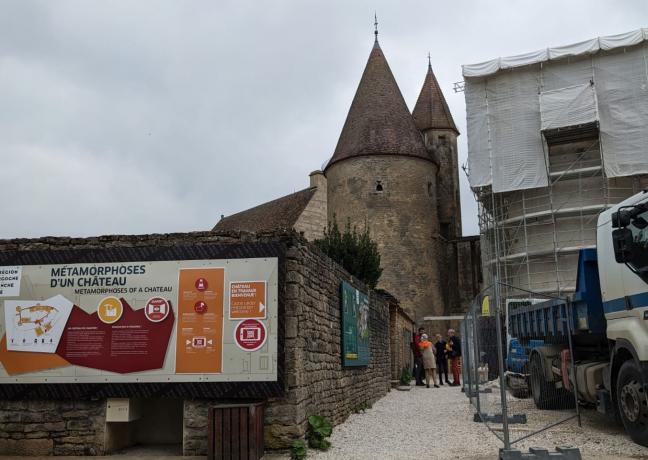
pixel 431 110
pixel 379 122
pixel 281 213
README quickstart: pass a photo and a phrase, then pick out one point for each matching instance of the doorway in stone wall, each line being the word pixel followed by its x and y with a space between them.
pixel 151 427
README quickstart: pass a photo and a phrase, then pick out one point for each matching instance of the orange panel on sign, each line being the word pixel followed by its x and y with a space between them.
pixel 18 362
pixel 200 321
pixel 247 299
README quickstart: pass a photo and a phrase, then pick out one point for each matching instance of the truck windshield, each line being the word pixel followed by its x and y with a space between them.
pixel 639 229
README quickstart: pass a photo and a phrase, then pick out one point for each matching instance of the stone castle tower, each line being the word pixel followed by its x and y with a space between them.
pixel 398 174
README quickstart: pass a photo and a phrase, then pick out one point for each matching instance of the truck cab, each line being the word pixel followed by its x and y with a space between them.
pixel 622 250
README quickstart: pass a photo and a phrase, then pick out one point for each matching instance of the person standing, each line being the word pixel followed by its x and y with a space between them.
pixel 419 372
pixel 441 359
pixel 454 354
pixel 429 360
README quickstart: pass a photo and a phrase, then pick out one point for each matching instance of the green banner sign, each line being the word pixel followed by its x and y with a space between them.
pixel 355 326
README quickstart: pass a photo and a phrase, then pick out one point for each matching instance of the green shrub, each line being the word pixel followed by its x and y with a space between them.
pixel 362 407
pixel 298 450
pixel 354 250
pixel 319 428
pixel 405 377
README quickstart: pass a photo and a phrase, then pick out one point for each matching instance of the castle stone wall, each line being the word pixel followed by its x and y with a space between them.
pixel 469 279
pixel 52 427
pixel 313 219
pixel 401 333
pixel 402 219
pixel 444 144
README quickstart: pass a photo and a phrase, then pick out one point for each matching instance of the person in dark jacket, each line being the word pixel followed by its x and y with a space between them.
pixel 441 358
pixel 419 371
pixel 454 355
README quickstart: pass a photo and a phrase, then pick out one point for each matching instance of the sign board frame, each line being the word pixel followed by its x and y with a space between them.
pixel 42 282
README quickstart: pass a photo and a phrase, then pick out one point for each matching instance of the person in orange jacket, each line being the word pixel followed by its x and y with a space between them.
pixel 419 372
pixel 429 360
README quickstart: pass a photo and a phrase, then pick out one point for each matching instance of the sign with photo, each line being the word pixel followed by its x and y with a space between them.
pixel 355 326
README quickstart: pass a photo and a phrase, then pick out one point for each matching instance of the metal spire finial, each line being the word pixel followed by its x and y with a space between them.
pixel 376 26
pixel 429 60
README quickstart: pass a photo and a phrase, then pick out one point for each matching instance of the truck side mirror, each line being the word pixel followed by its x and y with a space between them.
pixel 620 219
pixel 622 243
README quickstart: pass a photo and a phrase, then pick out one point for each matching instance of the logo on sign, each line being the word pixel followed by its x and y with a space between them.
pixel 157 309
pixel 200 307
pixel 250 335
pixel 109 310
pixel 201 284
pixel 199 342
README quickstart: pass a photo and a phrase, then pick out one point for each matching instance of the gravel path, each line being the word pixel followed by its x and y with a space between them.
pixel 421 423
pixel 437 424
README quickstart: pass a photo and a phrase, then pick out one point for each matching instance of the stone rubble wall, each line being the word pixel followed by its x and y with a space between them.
pixel 401 330
pixel 52 427
pixel 316 382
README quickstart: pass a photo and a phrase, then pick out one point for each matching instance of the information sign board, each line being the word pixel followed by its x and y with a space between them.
pixel 162 321
pixel 355 326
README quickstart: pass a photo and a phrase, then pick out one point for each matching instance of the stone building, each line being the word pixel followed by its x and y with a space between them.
pixel 397 173
pixel 304 211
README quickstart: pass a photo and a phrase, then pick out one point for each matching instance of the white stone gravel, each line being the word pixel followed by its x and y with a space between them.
pixel 438 424
pixel 421 423
pixel 433 423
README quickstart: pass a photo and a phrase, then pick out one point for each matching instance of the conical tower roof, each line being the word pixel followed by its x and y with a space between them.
pixel 431 110
pixel 379 122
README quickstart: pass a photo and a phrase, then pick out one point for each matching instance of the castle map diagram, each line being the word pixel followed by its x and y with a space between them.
pixel 36 325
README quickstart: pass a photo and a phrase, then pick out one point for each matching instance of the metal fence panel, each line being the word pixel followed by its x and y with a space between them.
pixel 517 361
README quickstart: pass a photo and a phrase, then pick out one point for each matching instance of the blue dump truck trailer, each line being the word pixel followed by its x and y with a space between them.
pixel 606 322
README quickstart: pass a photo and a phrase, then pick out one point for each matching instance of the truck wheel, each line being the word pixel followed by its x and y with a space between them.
pixel 545 393
pixel 632 402
pixel 518 387
pixel 520 393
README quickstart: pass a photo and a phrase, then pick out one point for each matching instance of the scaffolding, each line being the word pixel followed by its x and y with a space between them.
pixel 555 137
pixel 531 238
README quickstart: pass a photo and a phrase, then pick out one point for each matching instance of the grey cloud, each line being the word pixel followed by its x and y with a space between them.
pixel 150 116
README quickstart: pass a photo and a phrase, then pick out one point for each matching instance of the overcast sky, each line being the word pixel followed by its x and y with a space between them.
pixel 159 116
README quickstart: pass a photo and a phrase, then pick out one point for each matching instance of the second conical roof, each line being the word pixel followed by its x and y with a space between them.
pixel 379 122
pixel 431 110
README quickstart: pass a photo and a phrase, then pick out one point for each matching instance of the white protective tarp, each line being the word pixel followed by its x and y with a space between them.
pixel 609 42
pixel 523 59
pixel 556 75
pixel 514 124
pixel 569 106
pixel 621 80
pixel 481 69
pixel 575 49
pixel 631 38
pixel 479 159
pixel 505 119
